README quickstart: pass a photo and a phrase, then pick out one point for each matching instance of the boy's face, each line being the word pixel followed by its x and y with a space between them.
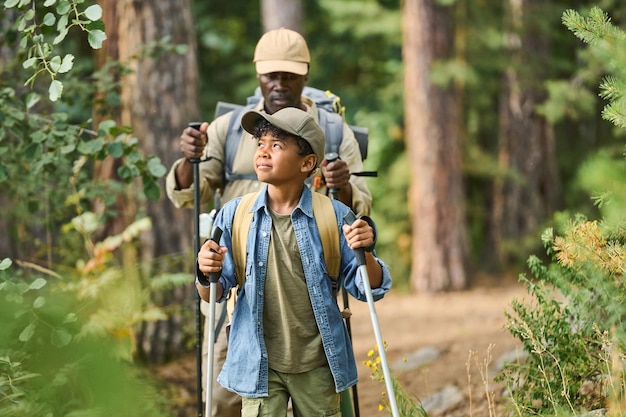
pixel 277 161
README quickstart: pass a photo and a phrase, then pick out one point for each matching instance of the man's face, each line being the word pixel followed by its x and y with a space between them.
pixel 281 89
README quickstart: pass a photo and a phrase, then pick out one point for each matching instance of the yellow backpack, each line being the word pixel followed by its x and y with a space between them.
pixel 326 224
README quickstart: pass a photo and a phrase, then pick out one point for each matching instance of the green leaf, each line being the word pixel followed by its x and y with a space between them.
pixel 95 38
pixel 59 38
pixel 71 318
pixel 64 7
pixel 61 337
pixel 27 333
pixel 86 222
pixel 30 62
pixel 55 90
pixel 62 23
pixel 37 284
pixel 68 148
pixel 91 147
pixel 133 157
pixel 49 19
pixel 39 136
pixel 67 64
pixel 49 3
pixel 105 126
pixel 156 168
pixel 10 3
pixel 32 151
pixel 39 302
pixel 55 63
pixel 124 172
pixel 116 149
pixel 5 264
pixel 32 99
pixel 93 12
pixel 151 189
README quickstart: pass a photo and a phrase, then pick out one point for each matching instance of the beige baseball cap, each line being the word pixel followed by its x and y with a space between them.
pixel 282 50
pixel 293 121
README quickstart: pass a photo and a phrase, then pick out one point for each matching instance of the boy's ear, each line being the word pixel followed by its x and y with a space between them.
pixel 309 163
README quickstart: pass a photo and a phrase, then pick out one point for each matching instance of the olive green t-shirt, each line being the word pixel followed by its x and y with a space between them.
pixel 293 341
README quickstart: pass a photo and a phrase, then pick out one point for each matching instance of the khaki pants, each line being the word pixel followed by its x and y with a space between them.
pixel 312 394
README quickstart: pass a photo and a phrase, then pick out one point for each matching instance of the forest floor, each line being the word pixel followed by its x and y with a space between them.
pixel 466 330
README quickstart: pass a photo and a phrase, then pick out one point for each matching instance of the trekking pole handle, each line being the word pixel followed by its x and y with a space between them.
pixel 214 277
pixel 350 218
pixel 332 157
pixel 195 125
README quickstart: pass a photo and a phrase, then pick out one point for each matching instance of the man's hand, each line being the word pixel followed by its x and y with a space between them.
pixel 336 173
pixel 192 143
pixel 337 176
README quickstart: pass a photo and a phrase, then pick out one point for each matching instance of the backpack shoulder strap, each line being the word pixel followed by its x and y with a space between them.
pixel 233 136
pixel 332 123
pixel 241 227
pixel 326 223
pixel 329 232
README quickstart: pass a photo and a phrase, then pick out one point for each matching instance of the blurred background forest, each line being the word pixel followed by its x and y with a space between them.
pixel 485 126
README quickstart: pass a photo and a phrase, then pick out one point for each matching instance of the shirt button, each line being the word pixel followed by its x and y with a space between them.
pixel 260 263
pixel 264 234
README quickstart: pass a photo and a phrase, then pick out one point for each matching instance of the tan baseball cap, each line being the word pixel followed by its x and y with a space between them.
pixel 282 50
pixel 293 121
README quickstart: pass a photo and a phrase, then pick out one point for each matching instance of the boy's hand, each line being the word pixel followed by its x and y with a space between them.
pixel 359 234
pixel 211 257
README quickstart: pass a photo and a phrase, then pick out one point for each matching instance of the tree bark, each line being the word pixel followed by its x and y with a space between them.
pixel 281 13
pixel 528 193
pixel 158 99
pixel 439 242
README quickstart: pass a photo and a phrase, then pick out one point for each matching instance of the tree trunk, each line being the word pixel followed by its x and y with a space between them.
pixel 439 242
pixel 527 194
pixel 158 99
pixel 281 13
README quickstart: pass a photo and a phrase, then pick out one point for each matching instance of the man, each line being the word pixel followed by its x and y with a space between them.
pixel 282 63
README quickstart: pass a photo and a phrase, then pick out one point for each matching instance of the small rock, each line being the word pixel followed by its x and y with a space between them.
pixel 449 397
pixel 416 359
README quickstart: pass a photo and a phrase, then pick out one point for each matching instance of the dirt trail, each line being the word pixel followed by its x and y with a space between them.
pixel 466 328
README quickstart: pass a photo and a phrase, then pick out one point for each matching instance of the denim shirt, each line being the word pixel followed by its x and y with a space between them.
pixel 246 368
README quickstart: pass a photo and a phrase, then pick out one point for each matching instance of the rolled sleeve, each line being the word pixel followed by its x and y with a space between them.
pixel 183 198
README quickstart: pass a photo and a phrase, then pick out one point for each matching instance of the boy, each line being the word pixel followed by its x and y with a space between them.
pixel 288 339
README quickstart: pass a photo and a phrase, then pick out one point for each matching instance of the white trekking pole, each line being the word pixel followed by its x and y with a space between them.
pixel 350 218
pixel 213 279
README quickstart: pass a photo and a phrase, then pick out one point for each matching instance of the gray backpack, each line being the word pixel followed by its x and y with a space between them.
pixel 330 113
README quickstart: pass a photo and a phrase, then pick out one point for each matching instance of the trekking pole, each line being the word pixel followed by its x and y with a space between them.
pixel 213 279
pixel 332 157
pixel 334 194
pixel 196 247
pixel 350 218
